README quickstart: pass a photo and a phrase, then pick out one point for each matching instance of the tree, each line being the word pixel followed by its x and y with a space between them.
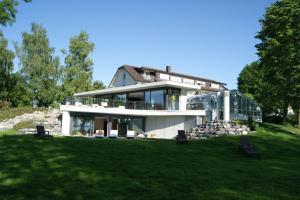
pixel 98 85
pixel 279 51
pixel 6 68
pixel 77 75
pixel 250 80
pixel 20 95
pixel 39 67
pixel 8 11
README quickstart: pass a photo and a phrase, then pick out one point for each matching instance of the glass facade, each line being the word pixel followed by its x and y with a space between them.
pixel 86 125
pixel 241 107
pixel 82 125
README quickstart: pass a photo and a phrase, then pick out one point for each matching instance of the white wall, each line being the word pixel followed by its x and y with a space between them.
pixel 164 126
pixel 120 81
pixel 164 76
pixel 66 123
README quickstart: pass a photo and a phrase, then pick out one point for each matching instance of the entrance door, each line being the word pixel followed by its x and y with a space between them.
pixel 122 129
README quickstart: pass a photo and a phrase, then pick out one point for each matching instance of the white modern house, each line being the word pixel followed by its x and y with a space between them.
pixel 142 100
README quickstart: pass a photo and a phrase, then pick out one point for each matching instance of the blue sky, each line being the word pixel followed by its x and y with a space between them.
pixel 207 38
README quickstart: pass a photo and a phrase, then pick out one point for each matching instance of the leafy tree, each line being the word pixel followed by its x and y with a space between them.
pixel 20 95
pixel 8 11
pixel 78 70
pixel 279 52
pixel 250 80
pixel 98 85
pixel 6 68
pixel 39 67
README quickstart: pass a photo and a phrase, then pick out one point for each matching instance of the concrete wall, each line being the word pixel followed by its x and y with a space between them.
pixel 167 126
pixel 122 78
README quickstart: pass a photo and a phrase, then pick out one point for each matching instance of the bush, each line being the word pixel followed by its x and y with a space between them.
pixel 251 123
pixel 4 105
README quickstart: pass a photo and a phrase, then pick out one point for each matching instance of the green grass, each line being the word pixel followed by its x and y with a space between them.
pixel 13 112
pixel 81 168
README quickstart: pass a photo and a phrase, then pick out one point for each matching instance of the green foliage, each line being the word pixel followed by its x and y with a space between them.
pixel 24 124
pixel 39 67
pixel 6 68
pixel 13 112
pixel 98 85
pixel 77 75
pixel 279 52
pixel 20 94
pixel 8 11
pixel 251 123
pixel 274 80
pixel 4 105
pixel 150 169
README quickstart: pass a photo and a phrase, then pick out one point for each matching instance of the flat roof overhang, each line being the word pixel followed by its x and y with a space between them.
pixel 130 112
pixel 142 86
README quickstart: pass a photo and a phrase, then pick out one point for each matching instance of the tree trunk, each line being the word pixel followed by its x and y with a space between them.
pixel 299 116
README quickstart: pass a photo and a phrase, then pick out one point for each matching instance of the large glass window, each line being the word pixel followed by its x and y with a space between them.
pixel 82 125
pixel 173 99
pixel 158 99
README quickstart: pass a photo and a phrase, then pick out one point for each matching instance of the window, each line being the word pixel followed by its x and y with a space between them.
pixel 207 84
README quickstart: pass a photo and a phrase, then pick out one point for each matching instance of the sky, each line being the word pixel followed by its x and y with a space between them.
pixel 213 39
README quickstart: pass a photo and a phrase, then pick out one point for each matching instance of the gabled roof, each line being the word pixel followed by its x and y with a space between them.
pixel 136 72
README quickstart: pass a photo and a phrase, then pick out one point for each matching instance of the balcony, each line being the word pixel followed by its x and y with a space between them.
pixel 122 104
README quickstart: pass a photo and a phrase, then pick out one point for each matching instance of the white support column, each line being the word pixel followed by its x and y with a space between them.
pixel 66 123
pixel 109 125
pixel 182 99
pixel 226 112
pixel 218 106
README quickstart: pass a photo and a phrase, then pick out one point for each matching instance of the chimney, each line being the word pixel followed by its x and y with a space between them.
pixel 168 69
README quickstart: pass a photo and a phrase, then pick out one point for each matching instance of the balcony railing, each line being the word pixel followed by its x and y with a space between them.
pixel 135 105
pixel 112 103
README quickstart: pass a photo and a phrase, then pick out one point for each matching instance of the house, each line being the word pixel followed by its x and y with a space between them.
pixel 145 100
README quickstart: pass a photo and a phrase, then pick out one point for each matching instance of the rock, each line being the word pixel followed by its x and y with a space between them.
pixel 140 136
pixel 48 118
pixel 244 132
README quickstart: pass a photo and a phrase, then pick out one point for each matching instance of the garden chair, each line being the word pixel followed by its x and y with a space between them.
pixel 181 137
pixel 41 133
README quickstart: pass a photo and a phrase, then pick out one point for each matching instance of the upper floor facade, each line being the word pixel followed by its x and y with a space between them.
pixel 144 88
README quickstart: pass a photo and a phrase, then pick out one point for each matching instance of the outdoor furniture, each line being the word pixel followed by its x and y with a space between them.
pixel 246 147
pixel 104 104
pixel 99 134
pixel 130 134
pixel 41 133
pixel 181 137
pixel 113 133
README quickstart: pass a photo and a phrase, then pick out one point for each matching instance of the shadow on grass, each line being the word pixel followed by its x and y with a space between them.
pixel 79 168
pixel 280 129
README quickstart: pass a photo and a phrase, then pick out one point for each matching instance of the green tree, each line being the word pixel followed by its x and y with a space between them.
pixel 98 85
pixel 8 11
pixel 250 80
pixel 39 67
pixel 279 52
pixel 78 72
pixel 20 93
pixel 6 68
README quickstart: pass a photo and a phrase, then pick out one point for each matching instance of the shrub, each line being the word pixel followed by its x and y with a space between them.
pixel 5 105
pixel 251 123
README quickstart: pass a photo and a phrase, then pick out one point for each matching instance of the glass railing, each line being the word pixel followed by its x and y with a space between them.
pixel 135 105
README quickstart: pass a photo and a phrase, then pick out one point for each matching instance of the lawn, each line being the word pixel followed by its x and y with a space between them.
pixel 82 168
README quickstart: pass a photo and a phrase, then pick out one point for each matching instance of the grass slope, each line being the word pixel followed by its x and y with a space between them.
pixel 13 112
pixel 80 168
